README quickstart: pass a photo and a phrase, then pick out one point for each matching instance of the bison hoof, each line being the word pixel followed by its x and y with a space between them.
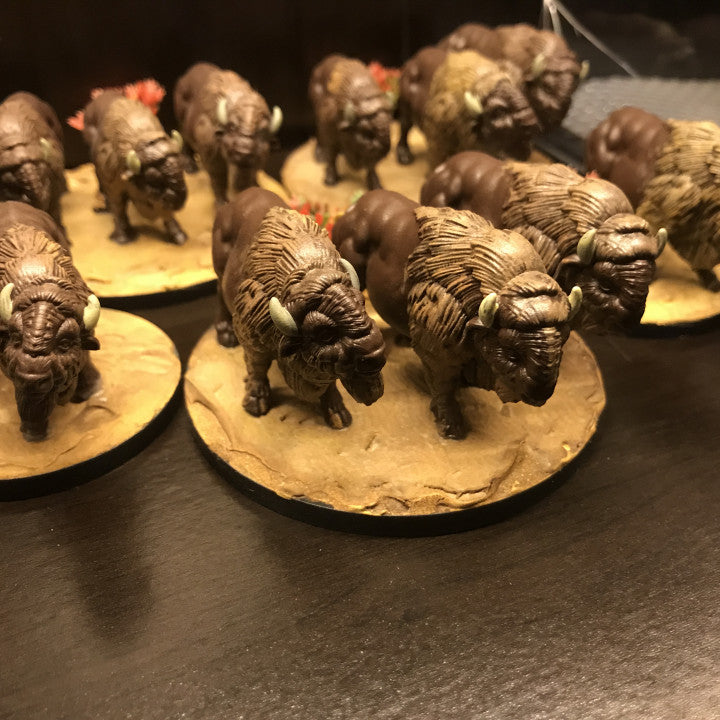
pixel 123 237
pixel 257 398
pixel 33 433
pixel 450 422
pixel 319 154
pixel 177 238
pixel 404 156
pixel 331 176
pixel 225 334
pixel 338 417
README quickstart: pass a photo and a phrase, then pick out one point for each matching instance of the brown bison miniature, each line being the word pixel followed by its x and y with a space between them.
pixel 352 115
pixel 135 160
pixel 476 301
pixel 47 318
pixel 463 101
pixel 583 228
pixel 289 297
pixel 670 170
pixel 550 70
pixel 31 154
pixel 227 123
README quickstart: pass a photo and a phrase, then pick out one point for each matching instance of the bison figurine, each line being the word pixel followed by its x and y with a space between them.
pixel 31 154
pixel 463 101
pixel 477 303
pixel 289 297
pixel 47 318
pixel 227 123
pixel 352 115
pixel 670 170
pixel 135 160
pixel 582 227
pixel 550 71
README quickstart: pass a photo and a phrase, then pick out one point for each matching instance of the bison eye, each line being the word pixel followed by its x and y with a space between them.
pixel 513 356
pixel 606 286
pixel 325 334
pixel 64 344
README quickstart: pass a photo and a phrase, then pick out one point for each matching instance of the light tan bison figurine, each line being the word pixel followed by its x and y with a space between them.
pixel 286 295
pixel 463 101
pixel 227 123
pixel 476 302
pixel 670 170
pixel 582 227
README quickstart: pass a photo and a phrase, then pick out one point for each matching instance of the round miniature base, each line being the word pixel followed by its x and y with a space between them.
pixel 390 472
pixel 149 267
pixel 676 298
pixel 140 373
pixel 303 176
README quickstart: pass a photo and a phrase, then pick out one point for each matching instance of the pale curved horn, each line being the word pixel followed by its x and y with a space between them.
pixel 472 103
pixel 538 66
pixel 662 238
pixel 350 270
pixel 132 161
pixel 177 139
pixel 349 114
pixel 575 298
pixel 91 313
pixel 282 319
pixel 584 70
pixel 488 308
pixel 276 120
pixel 6 307
pixel 586 247
pixel 46 148
pixel 221 112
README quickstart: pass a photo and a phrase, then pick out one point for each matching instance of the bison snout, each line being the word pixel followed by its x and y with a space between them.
pixel 35 383
pixel 365 389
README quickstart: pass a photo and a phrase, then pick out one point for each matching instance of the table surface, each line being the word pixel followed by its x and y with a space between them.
pixel 160 591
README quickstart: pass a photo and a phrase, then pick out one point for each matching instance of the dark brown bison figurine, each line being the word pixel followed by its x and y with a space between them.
pixel 227 123
pixel 583 228
pixel 289 297
pixel 550 70
pixel 476 301
pixel 670 170
pixel 47 318
pixel 135 160
pixel 463 101
pixel 352 115
pixel 31 153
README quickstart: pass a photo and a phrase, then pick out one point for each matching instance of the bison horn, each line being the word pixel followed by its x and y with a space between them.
pixel 538 66
pixel 349 114
pixel 350 270
pixel 488 308
pixel 472 103
pixel 282 319
pixel 276 120
pixel 662 237
pixel 222 115
pixel 575 299
pixel 6 307
pixel 177 139
pixel 91 313
pixel 584 70
pixel 46 148
pixel 133 162
pixel 586 247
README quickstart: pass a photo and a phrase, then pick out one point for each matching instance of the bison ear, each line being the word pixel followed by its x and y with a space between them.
pixel 90 342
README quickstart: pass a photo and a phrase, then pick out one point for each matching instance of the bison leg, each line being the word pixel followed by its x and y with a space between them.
pixel 372 181
pixel 333 408
pixel 176 234
pixel 444 405
pixel 218 171
pixel 34 410
pixel 188 158
pixel 88 383
pixel 404 154
pixel 223 321
pixel 331 173
pixel 319 153
pixel 257 388
pixel 708 279
pixel 123 231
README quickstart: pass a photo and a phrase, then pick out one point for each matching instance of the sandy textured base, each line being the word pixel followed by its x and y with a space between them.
pixel 149 265
pixel 140 372
pixel 391 461
pixel 303 176
pixel 676 297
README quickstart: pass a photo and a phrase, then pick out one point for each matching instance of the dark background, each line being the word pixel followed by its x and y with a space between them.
pixel 158 591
